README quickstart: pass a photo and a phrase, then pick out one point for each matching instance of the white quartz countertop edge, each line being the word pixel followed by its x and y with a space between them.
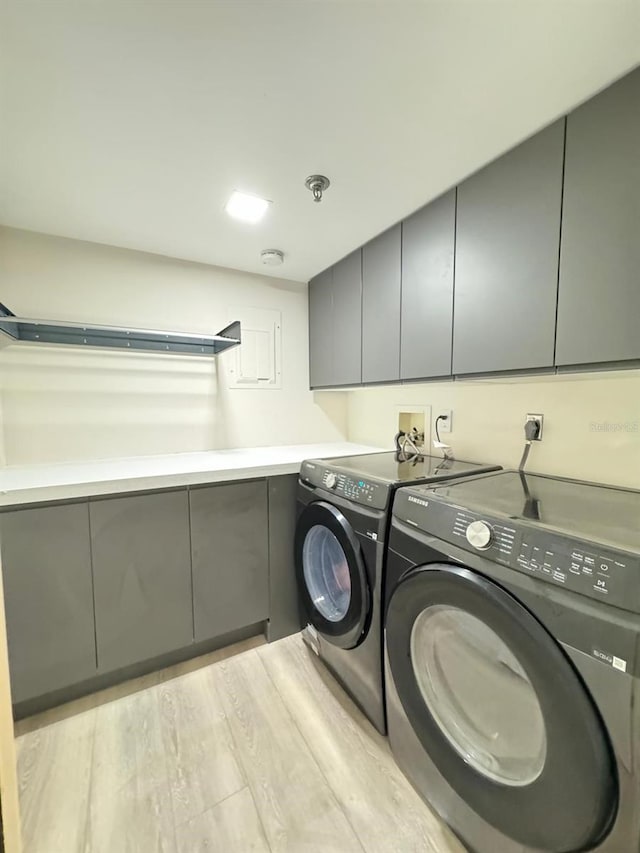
pixel 61 481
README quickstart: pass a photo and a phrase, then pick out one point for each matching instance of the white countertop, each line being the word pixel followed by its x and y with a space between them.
pixel 26 484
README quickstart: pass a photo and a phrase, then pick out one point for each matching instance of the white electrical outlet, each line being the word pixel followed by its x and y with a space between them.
pixel 445 426
pixel 539 418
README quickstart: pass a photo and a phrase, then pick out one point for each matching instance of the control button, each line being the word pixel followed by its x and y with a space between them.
pixel 604 565
pixel 331 481
pixel 601 586
pixel 479 534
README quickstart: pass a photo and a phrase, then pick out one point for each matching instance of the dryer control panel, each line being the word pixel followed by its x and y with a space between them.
pixel 587 568
pixel 362 491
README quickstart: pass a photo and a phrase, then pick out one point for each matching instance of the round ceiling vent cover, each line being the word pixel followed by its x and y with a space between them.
pixel 272 257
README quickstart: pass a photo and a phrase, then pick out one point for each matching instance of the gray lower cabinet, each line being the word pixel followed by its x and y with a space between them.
pixel 230 548
pixel 284 612
pixel 428 240
pixel 599 292
pixel 46 563
pixel 381 285
pixel 507 245
pixel 142 577
pixel 321 330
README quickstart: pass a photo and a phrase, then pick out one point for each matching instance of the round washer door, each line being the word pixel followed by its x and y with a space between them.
pixel 500 709
pixel 331 575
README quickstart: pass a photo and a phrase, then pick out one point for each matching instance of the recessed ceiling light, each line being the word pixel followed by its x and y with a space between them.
pixel 246 207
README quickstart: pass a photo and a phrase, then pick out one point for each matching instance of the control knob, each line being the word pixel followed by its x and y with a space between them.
pixel 331 481
pixel 479 534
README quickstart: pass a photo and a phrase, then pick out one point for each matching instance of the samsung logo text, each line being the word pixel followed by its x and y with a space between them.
pixel 413 500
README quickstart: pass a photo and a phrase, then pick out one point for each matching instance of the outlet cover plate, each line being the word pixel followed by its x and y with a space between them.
pixel 445 426
pixel 540 418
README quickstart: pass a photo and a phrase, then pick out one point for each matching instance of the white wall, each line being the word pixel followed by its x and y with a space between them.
pixel 68 404
pixel 2 454
pixel 488 420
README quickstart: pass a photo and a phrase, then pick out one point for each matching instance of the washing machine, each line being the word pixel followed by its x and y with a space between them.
pixel 512 637
pixel 343 518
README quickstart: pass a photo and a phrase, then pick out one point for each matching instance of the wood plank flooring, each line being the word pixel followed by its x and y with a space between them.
pixel 254 748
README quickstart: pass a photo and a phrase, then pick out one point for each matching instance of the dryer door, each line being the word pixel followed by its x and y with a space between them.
pixel 500 709
pixel 331 575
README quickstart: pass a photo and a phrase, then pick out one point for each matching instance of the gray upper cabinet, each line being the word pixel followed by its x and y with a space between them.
pixel 142 577
pixel 321 330
pixel 230 552
pixel 347 320
pixel 507 246
pixel 381 286
pixel 46 562
pixel 599 294
pixel 428 239
pixel 335 324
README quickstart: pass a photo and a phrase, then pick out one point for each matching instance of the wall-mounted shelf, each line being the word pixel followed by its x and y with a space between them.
pixel 57 332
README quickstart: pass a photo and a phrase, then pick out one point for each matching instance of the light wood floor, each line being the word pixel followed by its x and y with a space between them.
pixel 251 749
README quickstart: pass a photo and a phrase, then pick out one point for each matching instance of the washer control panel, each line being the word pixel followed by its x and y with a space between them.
pixel 482 534
pixel 587 568
pixel 479 534
pixel 353 488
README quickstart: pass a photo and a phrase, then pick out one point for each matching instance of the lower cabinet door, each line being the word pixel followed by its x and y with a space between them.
pixel 142 577
pixel 46 567
pixel 230 555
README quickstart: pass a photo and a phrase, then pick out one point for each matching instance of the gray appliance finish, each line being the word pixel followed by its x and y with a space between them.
pixel 512 660
pixel 343 515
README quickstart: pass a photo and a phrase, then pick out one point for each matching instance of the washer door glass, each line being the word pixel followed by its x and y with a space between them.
pixel 479 695
pixel 326 573
pixel 499 709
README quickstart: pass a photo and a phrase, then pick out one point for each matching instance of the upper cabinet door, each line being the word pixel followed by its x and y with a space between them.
pixel 507 245
pixel 599 295
pixel 347 320
pixel 320 330
pixel 428 239
pixel 381 277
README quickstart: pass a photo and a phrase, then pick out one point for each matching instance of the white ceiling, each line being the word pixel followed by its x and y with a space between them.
pixel 129 122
